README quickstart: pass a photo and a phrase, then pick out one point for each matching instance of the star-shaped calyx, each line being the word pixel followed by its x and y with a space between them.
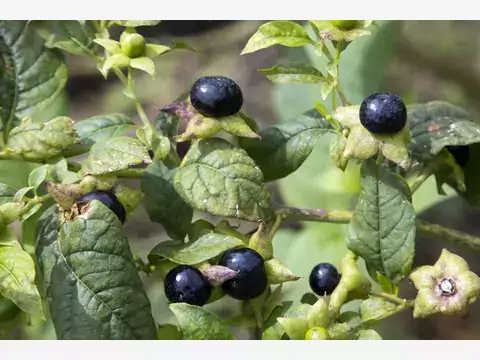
pixel 447 287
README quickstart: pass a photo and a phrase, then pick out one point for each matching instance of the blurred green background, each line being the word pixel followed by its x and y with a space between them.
pixel 420 60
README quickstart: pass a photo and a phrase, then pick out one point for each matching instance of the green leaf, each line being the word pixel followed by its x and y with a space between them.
pixel 296 328
pixel 368 334
pixel 67 35
pixel 116 61
pixel 144 64
pixel 38 176
pixel 374 309
pixel 223 180
pixel 283 32
pixel 169 332
pixel 199 324
pixel 36 141
pixel 283 148
pixel 112 46
pixel 6 193
pixel 382 230
pixel 91 281
pixel 294 73
pixel 33 75
pixel 204 248
pixel 275 331
pixel 161 201
pixel 154 50
pixel 437 124
pixel 115 154
pixel 135 23
pixel 98 128
pixel 17 275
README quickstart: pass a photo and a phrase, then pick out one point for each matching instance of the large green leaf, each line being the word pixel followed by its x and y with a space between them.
pixel 115 154
pixel 282 32
pixel 91 280
pixel 162 202
pixel 17 275
pixel 36 141
pixel 437 124
pixel 382 230
pixel 69 35
pixel 202 249
pixel 223 180
pixel 102 127
pixel 33 75
pixel 199 324
pixel 283 148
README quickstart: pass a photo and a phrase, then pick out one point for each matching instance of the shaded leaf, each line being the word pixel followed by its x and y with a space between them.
pixel 222 180
pixel 199 324
pixel 283 148
pixel 162 201
pixel 204 248
pixel 382 230
pixel 294 73
pixel 33 76
pixel 67 35
pixel 437 124
pixel 115 154
pixel 91 281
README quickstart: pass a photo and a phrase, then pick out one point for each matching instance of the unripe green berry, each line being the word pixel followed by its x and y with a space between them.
pixel 317 333
pixel 133 45
pixel 344 24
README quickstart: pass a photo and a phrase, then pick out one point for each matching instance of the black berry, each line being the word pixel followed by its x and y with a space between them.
pixel 324 278
pixel 188 285
pixel 383 113
pixel 108 199
pixel 216 96
pixel 252 278
pixel 460 153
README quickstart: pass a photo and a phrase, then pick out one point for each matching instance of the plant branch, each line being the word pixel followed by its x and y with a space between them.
pixel 434 230
pixel 424 228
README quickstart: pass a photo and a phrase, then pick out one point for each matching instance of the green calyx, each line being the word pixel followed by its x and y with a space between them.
pixel 447 287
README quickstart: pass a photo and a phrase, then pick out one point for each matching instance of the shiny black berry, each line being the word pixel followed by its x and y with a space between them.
pixel 324 278
pixel 108 199
pixel 252 278
pixel 383 113
pixel 460 153
pixel 188 285
pixel 216 96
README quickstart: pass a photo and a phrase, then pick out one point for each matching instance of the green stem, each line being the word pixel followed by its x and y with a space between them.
pixel 35 201
pixel 329 216
pixel 390 297
pixel 342 95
